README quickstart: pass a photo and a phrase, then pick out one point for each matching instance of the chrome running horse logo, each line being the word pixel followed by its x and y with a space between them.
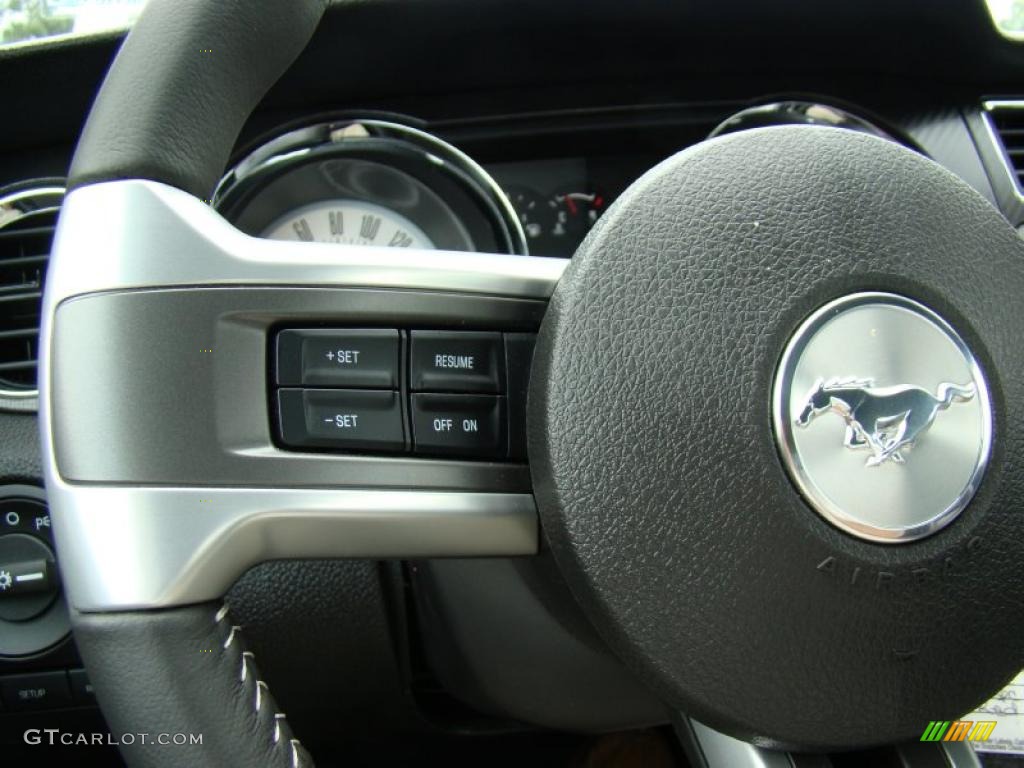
pixel 884 420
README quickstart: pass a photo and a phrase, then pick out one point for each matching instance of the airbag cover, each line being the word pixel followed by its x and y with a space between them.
pixel 657 476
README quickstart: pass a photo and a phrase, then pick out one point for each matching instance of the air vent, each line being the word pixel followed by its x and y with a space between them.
pixel 1006 119
pixel 28 217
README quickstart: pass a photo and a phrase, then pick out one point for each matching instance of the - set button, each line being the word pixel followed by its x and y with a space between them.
pixel 354 419
pixel 445 361
pixel 360 359
pixel 466 425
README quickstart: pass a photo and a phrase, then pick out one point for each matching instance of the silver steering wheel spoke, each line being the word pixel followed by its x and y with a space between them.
pixel 155 400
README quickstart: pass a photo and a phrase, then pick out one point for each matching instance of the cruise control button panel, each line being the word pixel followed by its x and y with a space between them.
pixel 361 420
pixel 456 361
pixel 360 359
pixel 459 425
pixel 381 390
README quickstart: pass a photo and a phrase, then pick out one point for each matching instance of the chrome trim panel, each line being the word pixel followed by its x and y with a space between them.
pixel 797 112
pixel 143 234
pixel 993 135
pixel 960 754
pixel 29 201
pixel 125 548
pixel 15 401
pixel 708 748
pixel 716 750
pixel 954 754
pixel 128 545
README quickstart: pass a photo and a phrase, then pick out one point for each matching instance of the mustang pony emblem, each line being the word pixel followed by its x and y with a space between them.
pixel 884 420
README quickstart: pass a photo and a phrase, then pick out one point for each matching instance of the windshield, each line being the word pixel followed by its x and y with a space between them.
pixel 34 21
pixel 1008 16
pixel 29 21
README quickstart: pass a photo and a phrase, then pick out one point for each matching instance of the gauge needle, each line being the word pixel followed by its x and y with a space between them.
pixel 572 205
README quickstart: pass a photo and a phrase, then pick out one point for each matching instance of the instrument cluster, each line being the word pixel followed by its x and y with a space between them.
pixel 558 201
pixel 369 182
pixel 378 182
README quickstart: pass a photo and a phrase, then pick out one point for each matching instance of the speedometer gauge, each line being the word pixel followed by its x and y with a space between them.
pixel 352 222
pixel 369 182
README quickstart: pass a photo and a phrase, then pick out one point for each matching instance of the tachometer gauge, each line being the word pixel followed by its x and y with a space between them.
pixel 575 214
pixel 555 225
pixel 369 182
pixel 348 221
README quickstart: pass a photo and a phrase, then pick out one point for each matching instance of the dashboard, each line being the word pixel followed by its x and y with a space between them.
pixel 370 181
pixel 367 180
pixel 497 146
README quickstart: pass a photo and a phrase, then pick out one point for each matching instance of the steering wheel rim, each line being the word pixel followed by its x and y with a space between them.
pixel 190 73
pixel 150 626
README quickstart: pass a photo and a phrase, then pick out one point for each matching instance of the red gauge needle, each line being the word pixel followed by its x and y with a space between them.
pixel 572 205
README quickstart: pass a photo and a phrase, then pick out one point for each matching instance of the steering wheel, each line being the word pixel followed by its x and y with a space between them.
pixel 771 417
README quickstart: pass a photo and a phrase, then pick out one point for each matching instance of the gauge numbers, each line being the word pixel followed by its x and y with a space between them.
pixel 575 213
pixel 555 225
pixel 352 222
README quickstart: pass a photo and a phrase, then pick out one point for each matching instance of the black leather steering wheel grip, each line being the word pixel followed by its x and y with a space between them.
pixel 186 78
pixel 184 82
pixel 658 480
pixel 184 685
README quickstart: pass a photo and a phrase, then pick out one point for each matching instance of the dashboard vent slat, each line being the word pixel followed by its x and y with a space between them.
pixel 19 333
pixel 1006 121
pixel 28 218
pixel 22 365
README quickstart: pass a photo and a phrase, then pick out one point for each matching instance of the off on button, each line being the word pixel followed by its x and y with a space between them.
pixel 467 425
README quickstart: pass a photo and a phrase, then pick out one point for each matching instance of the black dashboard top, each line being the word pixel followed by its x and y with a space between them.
pixel 491 57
